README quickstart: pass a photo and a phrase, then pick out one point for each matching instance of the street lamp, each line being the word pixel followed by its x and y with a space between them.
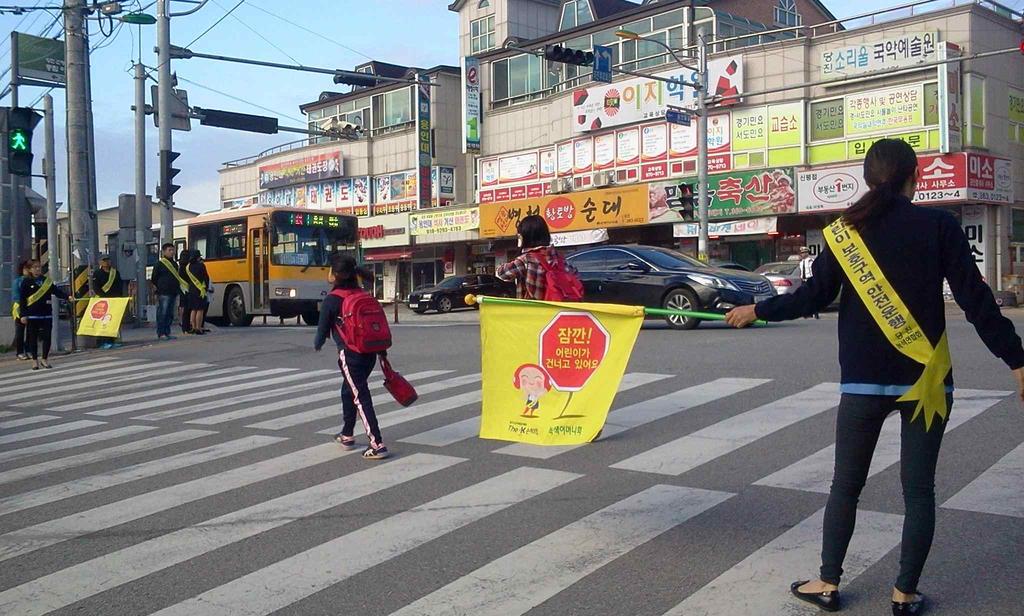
pixel 701 87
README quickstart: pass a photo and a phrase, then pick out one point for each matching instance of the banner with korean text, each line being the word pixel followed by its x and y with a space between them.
pixel 551 370
pixel 592 209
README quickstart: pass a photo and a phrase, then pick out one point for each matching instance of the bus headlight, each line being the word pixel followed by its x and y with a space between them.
pixel 285 292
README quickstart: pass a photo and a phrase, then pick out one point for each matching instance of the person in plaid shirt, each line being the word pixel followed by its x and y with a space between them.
pixel 526 269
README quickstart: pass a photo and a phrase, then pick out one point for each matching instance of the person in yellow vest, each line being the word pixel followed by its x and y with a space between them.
pixel 108 284
pixel 198 291
pixel 19 328
pixel 889 257
pixel 168 285
pixel 35 293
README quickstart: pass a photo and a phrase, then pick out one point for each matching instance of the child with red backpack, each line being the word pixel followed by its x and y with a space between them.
pixel 358 324
pixel 540 272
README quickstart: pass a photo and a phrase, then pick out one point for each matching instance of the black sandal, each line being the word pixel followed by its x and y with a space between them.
pixel 828 601
pixel 912 608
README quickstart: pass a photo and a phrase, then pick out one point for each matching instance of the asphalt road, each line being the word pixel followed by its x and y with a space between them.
pixel 202 482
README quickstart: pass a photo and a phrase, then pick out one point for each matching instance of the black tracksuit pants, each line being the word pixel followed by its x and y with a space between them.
pixel 355 395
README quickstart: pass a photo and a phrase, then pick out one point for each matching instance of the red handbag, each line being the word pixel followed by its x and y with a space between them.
pixel 400 389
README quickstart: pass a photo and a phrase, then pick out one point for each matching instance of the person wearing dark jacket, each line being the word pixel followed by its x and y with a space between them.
pixel 36 294
pixel 19 328
pixel 168 285
pixel 355 367
pixel 108 284
pixel 198 287
pixel 913 249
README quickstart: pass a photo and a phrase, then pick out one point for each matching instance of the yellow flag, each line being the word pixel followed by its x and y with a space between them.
pixel 103 317
pixel 551 370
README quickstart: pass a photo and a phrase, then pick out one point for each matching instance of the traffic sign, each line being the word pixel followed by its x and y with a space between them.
pixel 602 64
pixel 572 347
pixel 677 116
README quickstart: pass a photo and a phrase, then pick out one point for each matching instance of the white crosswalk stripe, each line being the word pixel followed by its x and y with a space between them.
pixel 998 490
pixel 9 413
pixel 686 453
pixel 46 376
pixel 26 421
pixel 28 435
pixel 468 428
pixel 78 441
pixel 153 374
pixel 89 379
pixel 419 411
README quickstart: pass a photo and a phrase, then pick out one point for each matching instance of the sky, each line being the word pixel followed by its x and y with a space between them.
pixel 321 33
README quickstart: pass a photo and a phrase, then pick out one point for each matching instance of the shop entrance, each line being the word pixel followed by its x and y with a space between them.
pixel 427 273
pixel 751 254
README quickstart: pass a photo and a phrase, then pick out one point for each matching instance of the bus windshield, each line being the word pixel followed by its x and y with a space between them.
pixel 310 239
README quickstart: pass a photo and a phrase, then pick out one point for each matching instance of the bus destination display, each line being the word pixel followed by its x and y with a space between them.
pixel 323 221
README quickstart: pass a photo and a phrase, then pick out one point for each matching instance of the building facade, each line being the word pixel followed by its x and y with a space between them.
pixel 798 98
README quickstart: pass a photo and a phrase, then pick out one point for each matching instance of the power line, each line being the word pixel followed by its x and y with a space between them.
pixel 304 28
pixel 222 18
pixel 241 100
pixel 257 33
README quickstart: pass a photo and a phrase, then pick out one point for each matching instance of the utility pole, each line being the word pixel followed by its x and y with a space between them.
pixel 49 170
pixel 702 146
pixel 76 59
pixel 141 202
pixel 163 41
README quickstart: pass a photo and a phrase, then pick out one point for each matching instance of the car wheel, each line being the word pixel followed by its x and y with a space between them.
pixel 237 315
pixel 681 299
pixel 444 305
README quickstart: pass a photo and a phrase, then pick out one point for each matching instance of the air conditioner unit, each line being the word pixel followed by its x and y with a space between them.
pixel 604 178
pixel 560 185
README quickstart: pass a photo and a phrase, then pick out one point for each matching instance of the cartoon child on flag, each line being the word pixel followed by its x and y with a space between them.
pixel 532 382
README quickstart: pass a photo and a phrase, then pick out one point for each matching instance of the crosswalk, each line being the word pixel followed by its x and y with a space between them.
pixel 226 479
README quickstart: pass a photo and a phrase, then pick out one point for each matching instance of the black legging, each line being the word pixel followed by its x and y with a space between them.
pixel 857 428
pixel 19 337
pixel 36 330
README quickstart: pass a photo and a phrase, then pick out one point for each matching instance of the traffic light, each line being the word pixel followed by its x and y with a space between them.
pixel 365 80
pixel 20 123
pixel 237 121
pixel 568 55
pixel 686 203
pixel 167 187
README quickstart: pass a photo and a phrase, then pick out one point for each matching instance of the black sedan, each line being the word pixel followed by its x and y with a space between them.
pixel 661 278
pixel 451 292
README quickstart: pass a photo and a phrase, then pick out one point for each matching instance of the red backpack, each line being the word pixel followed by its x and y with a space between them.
pixel 364 326
pixel 560 285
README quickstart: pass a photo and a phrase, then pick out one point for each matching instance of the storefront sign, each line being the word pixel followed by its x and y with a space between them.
pixel 827 120
pixel 593 209
pixel 973 220
pixel 453 221
pixel 963 177
pixel 636 100
pixel 443 182
pixel 752 226
pixel 395 192
pixel 785 124
pixel 384 231
pixel 470 105
pixel 604 151
pixel 884 110
pixel 949 101
pixel 749 129
pixel 579 238
pixel 517 167
pixel 627 146
pixel 906 50
pixel 827 190
pixel 752 193
pixel 1016 106
pixel 38 58
pixel 424 137
pixel 305 170
pixel 684 138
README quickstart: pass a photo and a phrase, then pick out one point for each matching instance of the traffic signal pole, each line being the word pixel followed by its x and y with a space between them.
pixel 141 202
pixel 702 147
pixel 163 40
pixel 53 248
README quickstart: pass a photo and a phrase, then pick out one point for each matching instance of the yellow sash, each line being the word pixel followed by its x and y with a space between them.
pixel 170 267
pixel 195 281
pixel 40 292
pixel 16 310
pixel 892 316
pixel 111 277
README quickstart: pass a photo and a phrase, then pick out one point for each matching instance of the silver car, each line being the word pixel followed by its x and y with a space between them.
pixel 784 275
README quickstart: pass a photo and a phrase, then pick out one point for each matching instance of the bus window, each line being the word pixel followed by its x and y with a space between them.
pixel 231 241
pixel 309 240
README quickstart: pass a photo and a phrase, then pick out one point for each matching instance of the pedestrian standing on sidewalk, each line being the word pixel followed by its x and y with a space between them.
pixel 529 269
pixel 807 269
pixel 355 367
pixel 167 286
pixel 36 313
pixel 108 284
pixel 198 286
pixel 19 327
pixel 889 258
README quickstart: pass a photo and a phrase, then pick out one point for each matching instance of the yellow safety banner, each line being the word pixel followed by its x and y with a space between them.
pixel 40 292
pixel 551 370
pixel 173 270
pixel 897 324
pixel 103 317
pixel 198 284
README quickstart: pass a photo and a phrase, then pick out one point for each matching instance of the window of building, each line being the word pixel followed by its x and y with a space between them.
pixel 392 108
pixel 786 13
pixel 481 34
pixel 975 112
pixel 575 13
pixel 1016 115
pixel 483 4
pixel 517 76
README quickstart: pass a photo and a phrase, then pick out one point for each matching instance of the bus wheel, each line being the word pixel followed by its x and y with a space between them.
pixel 311 317
pixel 235 308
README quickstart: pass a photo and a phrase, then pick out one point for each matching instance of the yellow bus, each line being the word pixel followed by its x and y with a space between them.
pixel 269 261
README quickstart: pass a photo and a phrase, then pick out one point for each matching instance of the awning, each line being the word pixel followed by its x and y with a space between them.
pixel 387 254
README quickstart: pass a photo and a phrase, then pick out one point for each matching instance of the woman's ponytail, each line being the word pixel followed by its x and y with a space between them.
pixel 889 165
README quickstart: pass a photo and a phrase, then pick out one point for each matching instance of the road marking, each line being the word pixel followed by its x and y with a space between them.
pixel 525 578
pixel 468 428
pixel 232 401
pixel 36 377
pixel 997 490
pixel 49 533
pixel 84 381
pixel 48 431
pixel 23 472
pixel 90 382
pixel 192 385
pixel 84 485
pixel 686 453
pixel 328 412
pixel 759 584
pixel 86 579
pixel 636 415
pixel 419 411
pixel 9 413
pixel 276 586
pixel 208 395
pixel 814 473
pixel 27 421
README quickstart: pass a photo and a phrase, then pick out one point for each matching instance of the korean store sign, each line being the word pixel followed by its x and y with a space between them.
pixel 314 168
pixel 592 209
pixel 636 100
pixel 452 221
pixel 752 193
pixel 905 50
pixel 963 176
pixel 973 222
pixel 884 110
pixel 827 190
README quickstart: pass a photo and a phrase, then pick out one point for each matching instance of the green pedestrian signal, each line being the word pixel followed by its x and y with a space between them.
pixel 18 140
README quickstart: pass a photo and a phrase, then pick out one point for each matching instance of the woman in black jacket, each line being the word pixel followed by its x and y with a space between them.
pixel 889 258
pixel 198 280
pixel 36 293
